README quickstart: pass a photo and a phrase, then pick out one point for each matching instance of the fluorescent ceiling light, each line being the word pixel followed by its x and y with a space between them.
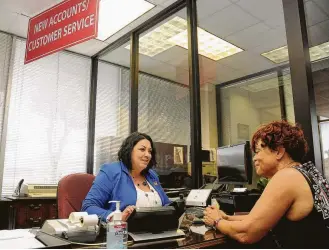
pixel 319 52
pixel 209 45
pixel 277 55
pixel 174 32
pixel 281 54
pixel 157 40
pixel 116 14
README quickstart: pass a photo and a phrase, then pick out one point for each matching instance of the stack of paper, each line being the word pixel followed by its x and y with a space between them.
pixel 19 238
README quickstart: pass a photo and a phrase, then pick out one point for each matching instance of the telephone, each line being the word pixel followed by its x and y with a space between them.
pixel 35 190
pixel 17 191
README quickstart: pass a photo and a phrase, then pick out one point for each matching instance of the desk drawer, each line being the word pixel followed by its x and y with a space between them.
pixel 30 214
pixel 33 213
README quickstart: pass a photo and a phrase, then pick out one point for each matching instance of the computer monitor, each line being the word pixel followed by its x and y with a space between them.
pixel 205 155
pixel 234 164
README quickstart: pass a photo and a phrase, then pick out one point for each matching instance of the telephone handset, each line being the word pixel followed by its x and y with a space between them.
pixel 17 191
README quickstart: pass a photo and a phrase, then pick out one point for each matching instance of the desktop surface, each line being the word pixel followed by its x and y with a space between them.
pixel 211 238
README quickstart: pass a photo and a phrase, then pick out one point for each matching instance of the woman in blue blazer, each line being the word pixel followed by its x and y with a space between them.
pixel 131 180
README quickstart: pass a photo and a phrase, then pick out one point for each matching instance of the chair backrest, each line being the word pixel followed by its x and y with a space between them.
pixel 72 190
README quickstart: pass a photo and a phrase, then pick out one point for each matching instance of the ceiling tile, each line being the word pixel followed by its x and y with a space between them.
pixel 88 48
pixel 160 69
pixel 167 3
pixel 154 67
pixel 228 21
pixel 156 2
pixel 225 73
pixel 205 8
pixel 172 54
pixel 119 56
pixel 30 7
pixel 275 22
pixel 245 39
pixel 7 19
pixel 270 40
pixel 19 27
pixel 264 9
pixel 242 61
pixel 182 13
pixel 323 4
pixel 208 7
pixel 318 33
pixel 314 14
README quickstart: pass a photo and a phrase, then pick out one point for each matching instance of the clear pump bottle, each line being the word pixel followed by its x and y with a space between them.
pixel 117 230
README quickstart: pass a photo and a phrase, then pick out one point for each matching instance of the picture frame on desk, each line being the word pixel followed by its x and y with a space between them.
pixel 178 155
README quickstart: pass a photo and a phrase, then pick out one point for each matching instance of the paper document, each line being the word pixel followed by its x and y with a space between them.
pixel 18 239
pixel 199 229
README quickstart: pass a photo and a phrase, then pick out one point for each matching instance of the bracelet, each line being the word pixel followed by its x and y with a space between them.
pixel 216 222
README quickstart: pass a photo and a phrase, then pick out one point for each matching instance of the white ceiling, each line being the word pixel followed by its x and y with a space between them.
pixel 256 26
pixel 15 14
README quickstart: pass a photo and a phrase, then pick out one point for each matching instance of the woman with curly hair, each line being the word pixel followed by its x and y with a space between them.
pixel 131 180
pixel 293 209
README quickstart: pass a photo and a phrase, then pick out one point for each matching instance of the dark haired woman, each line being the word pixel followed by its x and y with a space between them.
pixel 294 205
pixel 131 180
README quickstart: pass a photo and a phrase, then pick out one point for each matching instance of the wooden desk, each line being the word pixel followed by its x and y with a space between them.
pixel 4 210
pixel 27 212
pixel 192 241
pixel 211 239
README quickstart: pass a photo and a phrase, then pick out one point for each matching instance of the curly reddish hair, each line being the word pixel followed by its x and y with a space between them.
pixel 282 133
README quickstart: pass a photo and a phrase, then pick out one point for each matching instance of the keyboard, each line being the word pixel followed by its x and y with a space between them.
pixel 197 211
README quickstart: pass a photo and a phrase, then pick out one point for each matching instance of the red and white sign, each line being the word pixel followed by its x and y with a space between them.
pixel 63 25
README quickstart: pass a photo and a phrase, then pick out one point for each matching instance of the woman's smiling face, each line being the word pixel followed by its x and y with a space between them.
pixel 141 155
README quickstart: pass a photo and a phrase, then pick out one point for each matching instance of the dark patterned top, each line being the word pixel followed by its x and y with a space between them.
pixel 311 231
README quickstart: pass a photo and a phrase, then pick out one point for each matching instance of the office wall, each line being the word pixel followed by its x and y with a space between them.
pixel 238 112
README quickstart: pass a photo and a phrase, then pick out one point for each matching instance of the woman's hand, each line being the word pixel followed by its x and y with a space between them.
pixel 127 212
pixel 211 214
pixel 223 214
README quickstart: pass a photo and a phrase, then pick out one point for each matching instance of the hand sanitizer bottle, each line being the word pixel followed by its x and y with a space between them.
pixel 117 230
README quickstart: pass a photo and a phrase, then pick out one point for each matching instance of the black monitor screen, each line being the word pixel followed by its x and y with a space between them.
pixel 233 164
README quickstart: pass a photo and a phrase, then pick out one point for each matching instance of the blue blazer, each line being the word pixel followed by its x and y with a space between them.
pixel 114 183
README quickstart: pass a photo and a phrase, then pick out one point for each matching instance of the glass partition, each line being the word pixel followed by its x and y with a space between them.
pixel 317 19
pixel 112 105
pixel 243 58
pixel 164 100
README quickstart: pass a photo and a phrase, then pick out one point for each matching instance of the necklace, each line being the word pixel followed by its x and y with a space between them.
pixel 138 184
